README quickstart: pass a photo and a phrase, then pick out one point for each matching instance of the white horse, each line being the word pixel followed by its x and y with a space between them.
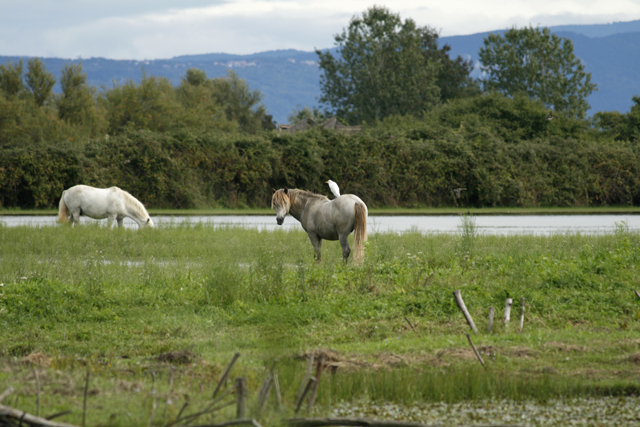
pixel 99 203
pixel 325 219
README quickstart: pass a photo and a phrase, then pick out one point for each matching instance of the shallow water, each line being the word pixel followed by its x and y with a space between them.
pixel 485 224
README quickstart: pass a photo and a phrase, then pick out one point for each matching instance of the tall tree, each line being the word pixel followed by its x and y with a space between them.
pixel 77 103
pixel 539 64
pixel 39 81
pixel 11 79
pixel 241 104
pixel 381 69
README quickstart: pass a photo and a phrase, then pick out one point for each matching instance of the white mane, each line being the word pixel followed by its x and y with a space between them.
pixel 133 204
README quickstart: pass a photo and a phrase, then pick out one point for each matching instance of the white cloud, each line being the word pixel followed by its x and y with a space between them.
pixel 148 29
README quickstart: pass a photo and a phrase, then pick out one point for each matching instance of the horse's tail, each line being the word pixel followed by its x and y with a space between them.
pixel 63 211
pixel 360 232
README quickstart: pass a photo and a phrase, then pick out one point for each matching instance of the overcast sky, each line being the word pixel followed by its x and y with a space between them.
pixel 155 29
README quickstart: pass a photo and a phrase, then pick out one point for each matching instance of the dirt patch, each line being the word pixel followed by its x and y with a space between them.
pixel 178 357
pixel 520 352
pixel 569 348
pixel 634 358
pixel 334 361
pixel 37 358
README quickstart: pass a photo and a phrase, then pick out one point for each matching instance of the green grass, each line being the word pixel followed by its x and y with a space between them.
pixel 113 301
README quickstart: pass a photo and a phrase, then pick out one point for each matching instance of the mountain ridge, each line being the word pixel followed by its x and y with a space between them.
pixel 289 78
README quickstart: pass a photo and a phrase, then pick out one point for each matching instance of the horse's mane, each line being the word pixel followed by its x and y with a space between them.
pixel 293 193
pixel 134 204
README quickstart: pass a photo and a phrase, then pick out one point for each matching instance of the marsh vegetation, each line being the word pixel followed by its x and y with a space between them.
pixel 155 316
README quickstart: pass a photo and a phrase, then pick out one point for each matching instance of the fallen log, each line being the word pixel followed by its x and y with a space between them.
pixel 14 417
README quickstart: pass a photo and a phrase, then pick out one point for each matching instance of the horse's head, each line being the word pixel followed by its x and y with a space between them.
pixel 149 223
pixel 281 203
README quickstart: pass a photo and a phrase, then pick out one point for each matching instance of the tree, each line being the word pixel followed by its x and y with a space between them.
pixel 39 81
pixel 381 69
pixel 241 103
pixel 620 126
pixel 539 64
pixel 301 113
pixel 11 79
pixel 77 103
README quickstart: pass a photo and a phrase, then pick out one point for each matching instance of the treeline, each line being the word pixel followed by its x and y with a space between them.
pixel 504 151
pixel 31 115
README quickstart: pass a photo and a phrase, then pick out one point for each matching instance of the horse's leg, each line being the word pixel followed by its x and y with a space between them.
pixel 120 222
pixel 110 219
pixel 344 242
pixel 316 241
pixel 75 218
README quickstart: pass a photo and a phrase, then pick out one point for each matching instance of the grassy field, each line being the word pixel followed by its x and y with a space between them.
pixel 155 315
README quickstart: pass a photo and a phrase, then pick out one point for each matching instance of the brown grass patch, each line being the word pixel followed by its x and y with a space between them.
pixel 569 348
pixel 37 358
pixel 179 357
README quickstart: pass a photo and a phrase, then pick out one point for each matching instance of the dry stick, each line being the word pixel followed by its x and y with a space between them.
pixel 475 350
pixel 637 294
pixel 226 374
pixel 304 394
pixel 522 316
pixel 507 311
pixel 209 408
pixel 264 394
pixel 491 314
pixel 35 373
pixel 86 392
pixel 426 281
pixel 463 308
pixel 171 373
pixel 59 414
pixel 241 393
pixel 6 393
pixel 276 386
pixel 305 380
pixel 319 368
pixel 409 322
pixel 9 414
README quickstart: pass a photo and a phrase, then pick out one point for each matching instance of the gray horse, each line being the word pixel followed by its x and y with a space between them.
pixel 325 219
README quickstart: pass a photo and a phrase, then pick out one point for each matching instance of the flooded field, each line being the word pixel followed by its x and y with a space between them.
pixel 485 224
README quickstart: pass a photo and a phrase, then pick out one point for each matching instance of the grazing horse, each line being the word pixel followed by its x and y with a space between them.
pixel 325 219
pixel 99 203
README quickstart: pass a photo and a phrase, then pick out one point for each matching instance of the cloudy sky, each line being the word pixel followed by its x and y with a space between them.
pixel 155 29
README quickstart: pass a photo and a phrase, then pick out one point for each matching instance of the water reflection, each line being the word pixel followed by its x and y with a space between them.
pixel 485 224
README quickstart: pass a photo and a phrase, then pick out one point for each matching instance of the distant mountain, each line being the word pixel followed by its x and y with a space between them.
pixel 290 78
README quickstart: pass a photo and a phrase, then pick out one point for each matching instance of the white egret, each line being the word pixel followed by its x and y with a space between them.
pixel 334 188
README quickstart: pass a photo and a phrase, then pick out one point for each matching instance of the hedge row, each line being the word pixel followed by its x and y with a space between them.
pixel 382 166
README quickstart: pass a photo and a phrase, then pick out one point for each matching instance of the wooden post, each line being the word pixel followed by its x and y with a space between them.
pixel 522 316
pixel 241 394
pixel 475 350
pixel 304 393
pixel 35 373
pixel 463 308
pixel 263 395
pixel 276 386
pixel 507 311
pixel 86 392
pixel 305 380
pixel 491 314
pixel 225 374
pixel 314 391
